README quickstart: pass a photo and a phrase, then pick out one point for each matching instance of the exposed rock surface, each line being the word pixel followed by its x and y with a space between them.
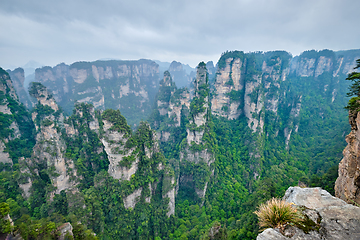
pixel 18 78
pixel 7 92
pixel 336 218
pixel 170 103
pixel 131 200
pixel 126 85
pixel 195 150
pixel 114 143
pixel 50 147
pixel 230 78
pixel 179 74
pixel 347 186
pixel 65 231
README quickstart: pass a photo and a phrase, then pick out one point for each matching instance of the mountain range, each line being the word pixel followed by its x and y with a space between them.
pixel 129 155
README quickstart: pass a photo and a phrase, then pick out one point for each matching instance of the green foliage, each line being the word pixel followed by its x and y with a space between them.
pixel 277 213
pixel 229 54
pixel 249 169
pixel 47 122
pixel 20 145
pixel 42 111
pixel 118 121
pixel 5 122
pixel 354 89
pixel 86 149
pixel 325 181
pixel 3 72
pixel 36 88
pixel 5 226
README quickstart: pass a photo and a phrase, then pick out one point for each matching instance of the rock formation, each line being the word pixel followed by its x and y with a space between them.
pixel 327 217
pixel 18 78
pixel 15 120
pixel 170 104
pixel 126 85
pixel 347 186
pixel 179 74
pixel 49 151
pixel 196 148
pixel 6 89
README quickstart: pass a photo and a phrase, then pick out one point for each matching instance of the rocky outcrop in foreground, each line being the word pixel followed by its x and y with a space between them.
pixel 329 217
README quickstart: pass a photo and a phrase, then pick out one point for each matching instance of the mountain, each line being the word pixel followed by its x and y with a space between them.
pixel 181 74
pixel 126 85
pixel 16 137
pixel 272 120
pixel 239 134
pixel 88 158
pixel 18 80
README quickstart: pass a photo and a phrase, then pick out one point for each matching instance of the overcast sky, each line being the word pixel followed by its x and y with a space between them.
pixel 189 31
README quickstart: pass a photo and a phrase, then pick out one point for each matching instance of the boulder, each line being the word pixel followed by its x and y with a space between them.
pixel 332 217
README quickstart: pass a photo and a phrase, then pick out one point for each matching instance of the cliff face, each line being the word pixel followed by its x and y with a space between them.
pixel 10 128
pixel 126 85
pixel 18 78
pixel 49 150
pixel 70 154
pixel 170 104
pixel 259 87
pixel 251 84
pixel 16 134
pixel 179 74
pixel 196 149
pixel 347 186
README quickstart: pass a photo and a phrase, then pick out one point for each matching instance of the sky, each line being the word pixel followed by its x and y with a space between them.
pixel 189 31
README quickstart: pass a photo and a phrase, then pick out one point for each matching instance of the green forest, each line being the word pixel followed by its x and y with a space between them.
pixel 249 167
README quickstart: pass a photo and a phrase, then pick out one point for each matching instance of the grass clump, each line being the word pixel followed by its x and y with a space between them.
pixel 277 213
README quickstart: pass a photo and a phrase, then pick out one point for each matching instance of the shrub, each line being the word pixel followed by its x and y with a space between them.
pixel 277 213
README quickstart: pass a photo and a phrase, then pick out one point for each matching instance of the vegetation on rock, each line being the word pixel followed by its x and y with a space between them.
pixel 277 213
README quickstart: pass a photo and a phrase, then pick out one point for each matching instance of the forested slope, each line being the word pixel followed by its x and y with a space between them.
pixel 208 156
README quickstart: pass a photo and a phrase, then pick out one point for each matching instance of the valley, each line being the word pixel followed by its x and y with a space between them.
pixel 122 150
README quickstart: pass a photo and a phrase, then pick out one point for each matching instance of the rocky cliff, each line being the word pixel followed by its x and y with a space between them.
pixel 16 125
pixel 256 85
pixel 126 85
pixel 197 148
pixel 18 79
pixel 10 128
pixel 275 93
pixel 170 104
pixel 327 217
pixel 72 154
pixel 179 75
pixel 347 186
pixel 49 150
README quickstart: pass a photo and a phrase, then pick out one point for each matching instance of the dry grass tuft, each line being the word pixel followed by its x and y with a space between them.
pixel 277 213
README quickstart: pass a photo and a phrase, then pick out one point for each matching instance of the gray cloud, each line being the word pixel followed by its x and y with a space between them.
pixel 188 31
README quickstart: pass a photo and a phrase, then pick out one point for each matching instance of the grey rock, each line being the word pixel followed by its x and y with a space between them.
pixel 65 229
pixel 313 198
pixel 270 234
pixel 337 219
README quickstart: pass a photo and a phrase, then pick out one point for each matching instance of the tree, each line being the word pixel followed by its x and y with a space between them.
pixel 354 89
pixel 5 225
